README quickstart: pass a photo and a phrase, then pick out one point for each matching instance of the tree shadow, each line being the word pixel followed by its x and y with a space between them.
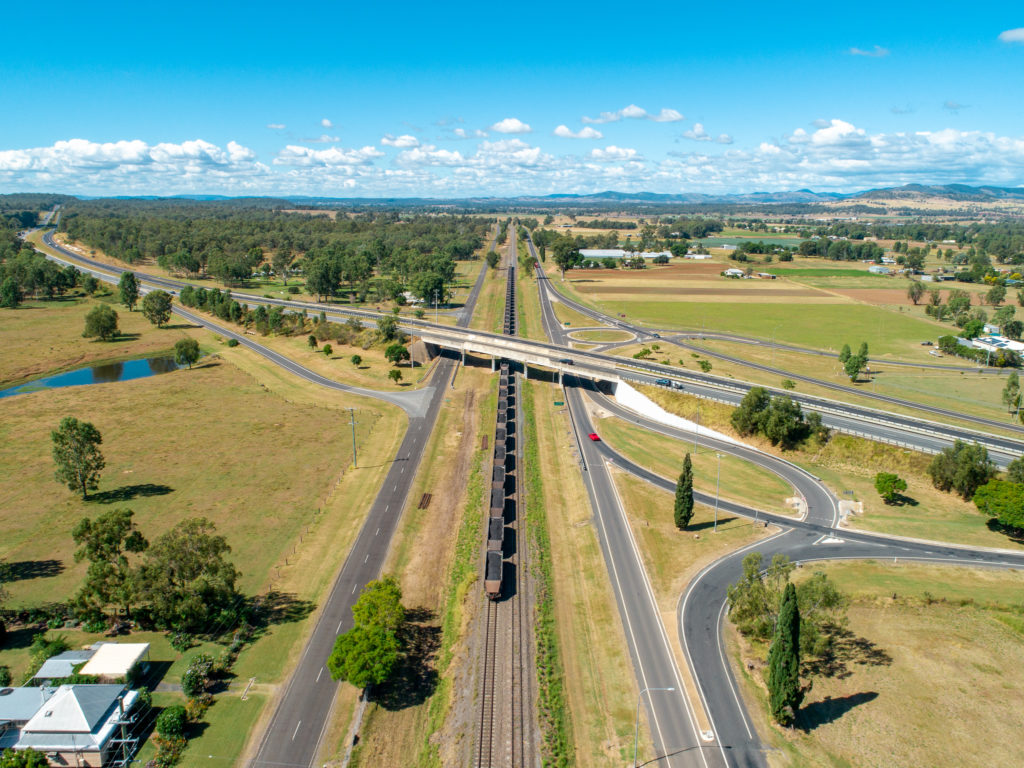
pixel 24 570
pixel 415 680
pixel 1014 534
pixel 846 648
pixel 276 607
pixel 121 336
pixel 181 326
pixel 828 710
pixel 129 492
pixel 155 673
pixel 693 527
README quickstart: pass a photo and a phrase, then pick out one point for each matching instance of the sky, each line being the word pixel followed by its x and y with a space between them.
pixel 467 100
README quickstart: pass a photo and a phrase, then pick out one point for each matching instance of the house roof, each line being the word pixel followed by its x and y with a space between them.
pixel 17 705
pixel 62 665
pixel 89 715
pixel 115 659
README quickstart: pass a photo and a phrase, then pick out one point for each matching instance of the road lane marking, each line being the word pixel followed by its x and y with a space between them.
pixel 321 668
pixel 366 558
pixel 296 730
pixel 354 588
pixel 377 533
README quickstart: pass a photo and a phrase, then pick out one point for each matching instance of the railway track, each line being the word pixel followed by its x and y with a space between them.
pixel 505 733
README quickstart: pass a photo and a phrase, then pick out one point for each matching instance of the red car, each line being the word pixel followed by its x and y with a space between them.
pixel 593 436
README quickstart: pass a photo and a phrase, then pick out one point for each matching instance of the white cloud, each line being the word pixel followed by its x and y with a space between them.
pixel 1012 35
pixel 429 155
pixel 322 139
pixel 636 113
pixel 954 106
pixel 584 133
pixel 511 125
pixel 276 126
pixel 876 52
pixel 326 123
pixel 401 142
pixel 475 133
pixel 611 153
pixel 698 133
pixel 293 155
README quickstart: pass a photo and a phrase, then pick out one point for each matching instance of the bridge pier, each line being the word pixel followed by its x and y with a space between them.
pixel 526 371
pixel 463 358
pixel 494 364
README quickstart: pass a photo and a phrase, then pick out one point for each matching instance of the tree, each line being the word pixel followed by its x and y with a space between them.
pixel 10 293
pixel 784 691
pixel 783 422
pixel 996 295
pixel 684 495
pixel 281 261
pixel 328 350
pixel 156 306
pixel 1011 392
pixel 973 329
pixel 1015 470
pixel 357 360
pixel 365 655
pixel 380 605
pixel 1003 500
pixel 395 375
pixel 128 290
pixel 844 354
pixel 101 323
pixel 853 366
pixel 186 352
pixel 863 351
pixel 387 327
pixel 312 342
pixel 915 290
pixel 105 542
pixel 1013 329
pixel 172 721
pixel 186 579
pixel 566 254
pixel 962 467
pixel 76 455
pixel 396 353
pixel 889 486
pixel 23 758
pixel 747 418
pixel 958 301
pixel 492 259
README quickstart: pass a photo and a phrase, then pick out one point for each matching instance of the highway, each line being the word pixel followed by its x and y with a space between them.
pixel 701 609
pixel 908 431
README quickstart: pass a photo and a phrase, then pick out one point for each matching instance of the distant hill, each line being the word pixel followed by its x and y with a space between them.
pixel 958 192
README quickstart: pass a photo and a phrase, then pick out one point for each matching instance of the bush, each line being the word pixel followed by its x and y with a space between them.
pixel 5 676
pixel 95 626
pixel 232 342
pixel 168 751
pixel 172 721
pixel 182 641
pixel 293 289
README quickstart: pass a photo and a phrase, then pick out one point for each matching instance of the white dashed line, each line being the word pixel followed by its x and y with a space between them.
pixel 296 730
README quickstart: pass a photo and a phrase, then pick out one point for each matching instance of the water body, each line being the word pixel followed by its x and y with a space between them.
pixel 98 374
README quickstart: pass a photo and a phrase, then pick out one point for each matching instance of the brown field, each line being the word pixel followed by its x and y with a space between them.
pixel 686 292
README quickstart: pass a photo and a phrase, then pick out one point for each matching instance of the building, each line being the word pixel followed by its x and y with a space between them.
pixel 734 272
pixel 619 253
pixel 62 665
pixel 115 662
pixel 878 269
pixel 83 725
pixel 766 275
pixel 17 706
pixel 697 256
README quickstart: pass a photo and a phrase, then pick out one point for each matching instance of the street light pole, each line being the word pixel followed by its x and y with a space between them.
pixel 352 417
pixel 636 733
pixel 718 485
pixel 435 306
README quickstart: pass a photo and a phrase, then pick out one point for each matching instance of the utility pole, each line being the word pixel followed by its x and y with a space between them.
pixel 352 417
pixel 636 732
pixel 435 306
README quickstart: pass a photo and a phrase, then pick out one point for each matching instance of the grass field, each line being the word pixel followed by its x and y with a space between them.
pixel 45 337
pixel 225 413
pixel 570 318
pixel 600 682
pixel 602 336
pixel 741 481
pixel 851 463
pixel 935 657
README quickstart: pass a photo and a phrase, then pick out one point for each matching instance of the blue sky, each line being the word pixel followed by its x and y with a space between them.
pixel 423 100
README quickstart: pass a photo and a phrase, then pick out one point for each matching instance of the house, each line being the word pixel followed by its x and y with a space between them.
pixel 83 725
pixel 17 706
pixel 989 328
pixel 734 272
pixel 697 256
pixel 115 662
pixel 927 278
pixel 62 665
pixel 878 269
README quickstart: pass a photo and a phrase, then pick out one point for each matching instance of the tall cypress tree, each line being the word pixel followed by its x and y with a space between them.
pixel 684 495
pixel 784 691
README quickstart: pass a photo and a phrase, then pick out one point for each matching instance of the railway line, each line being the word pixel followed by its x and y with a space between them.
pixel 506 735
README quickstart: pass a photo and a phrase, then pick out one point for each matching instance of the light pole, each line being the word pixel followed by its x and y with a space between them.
pixel 636 733
pixel 352 417
pixel 435 306
pixel 718 485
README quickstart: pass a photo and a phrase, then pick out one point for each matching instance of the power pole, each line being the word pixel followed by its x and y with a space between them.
pixel 352 417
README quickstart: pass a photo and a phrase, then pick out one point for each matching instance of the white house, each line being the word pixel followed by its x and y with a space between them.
pixel 734 272
pixel 113 662
pixel 697 256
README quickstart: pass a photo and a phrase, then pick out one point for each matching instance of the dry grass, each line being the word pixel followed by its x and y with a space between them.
pixel 945 671
pixel 602 336
pixel 600 682
pixel 569 317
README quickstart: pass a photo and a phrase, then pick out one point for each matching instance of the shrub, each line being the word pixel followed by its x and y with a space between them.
pixel 232 342
pixel 5 676
pixel 181 641
pixel 172 721
pixel 293 289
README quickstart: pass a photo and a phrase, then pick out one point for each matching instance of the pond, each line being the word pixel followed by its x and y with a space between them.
pixel 98 374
